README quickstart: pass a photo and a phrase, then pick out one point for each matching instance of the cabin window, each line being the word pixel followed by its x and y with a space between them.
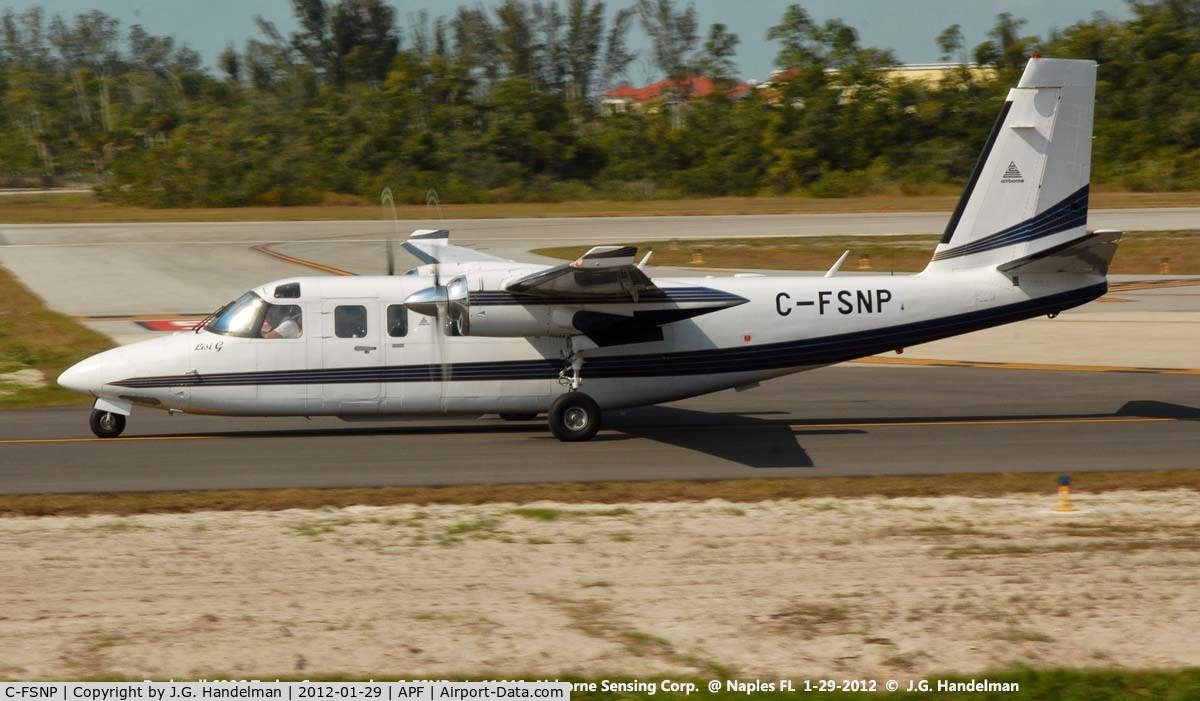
pixel 290 290
pixel 397 320
pixel 350 321
pixel 282 321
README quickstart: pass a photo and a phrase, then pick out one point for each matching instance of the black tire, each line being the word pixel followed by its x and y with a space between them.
pixel 519 416
pixel 574 417
pixel 106 424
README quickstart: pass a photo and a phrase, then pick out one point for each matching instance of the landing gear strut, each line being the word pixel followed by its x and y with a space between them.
pixel 572 375
pixel 574 417
pixel 106 424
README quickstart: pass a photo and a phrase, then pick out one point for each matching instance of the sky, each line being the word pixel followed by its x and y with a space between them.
pixel 908 27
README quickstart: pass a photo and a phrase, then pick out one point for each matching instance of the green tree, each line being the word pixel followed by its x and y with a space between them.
pixel 720 49
pixel 951 43
pixel 673 36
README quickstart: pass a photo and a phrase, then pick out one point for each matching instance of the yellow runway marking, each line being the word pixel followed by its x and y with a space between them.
pixel 991 422
pixel 1151 285
pixel 934 362
pixel 111 440
pixel 266 248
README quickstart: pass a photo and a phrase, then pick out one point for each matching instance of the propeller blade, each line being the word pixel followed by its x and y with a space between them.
pixel 389 210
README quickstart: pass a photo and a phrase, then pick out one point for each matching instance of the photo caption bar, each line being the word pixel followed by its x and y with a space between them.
pixel 284 691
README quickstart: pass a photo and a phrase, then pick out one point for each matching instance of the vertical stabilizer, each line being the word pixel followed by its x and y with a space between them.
pixel 1029 189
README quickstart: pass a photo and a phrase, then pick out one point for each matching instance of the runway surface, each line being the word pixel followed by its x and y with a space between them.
pixel 844 420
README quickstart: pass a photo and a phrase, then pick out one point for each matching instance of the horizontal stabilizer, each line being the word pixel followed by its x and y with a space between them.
pixel 1092 253
pixel 433 246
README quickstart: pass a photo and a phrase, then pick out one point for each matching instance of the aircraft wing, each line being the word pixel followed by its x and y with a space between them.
pixel 433 246
pixel 605 273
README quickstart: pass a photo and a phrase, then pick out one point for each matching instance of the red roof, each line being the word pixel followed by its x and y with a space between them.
pixel 697 86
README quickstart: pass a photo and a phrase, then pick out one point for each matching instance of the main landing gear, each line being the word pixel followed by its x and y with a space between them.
pixel 106 424
pixel 574 417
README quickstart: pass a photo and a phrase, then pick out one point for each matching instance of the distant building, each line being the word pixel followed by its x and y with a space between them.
pixel 934 73
pixel 651 98
pixel 928 73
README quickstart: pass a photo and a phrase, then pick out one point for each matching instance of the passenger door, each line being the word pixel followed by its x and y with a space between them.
pixel 351 355
pixel 396 355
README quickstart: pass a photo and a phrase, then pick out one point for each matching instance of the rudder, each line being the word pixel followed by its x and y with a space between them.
pixel 1028 191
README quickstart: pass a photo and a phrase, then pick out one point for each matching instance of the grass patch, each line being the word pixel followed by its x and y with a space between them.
pixel 1186 544
pixel 549 514
pixel 809 614
pixel 935 531
pixel 1140 252
pixel 480 528
pixel 1023 635
pixel 740 490
pixel 599 620
pixel 84 207
pixel 312 529
pixel 538 514
pixel 33 337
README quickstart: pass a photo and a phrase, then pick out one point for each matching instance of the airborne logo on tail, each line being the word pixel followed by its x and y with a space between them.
pixel 1013 174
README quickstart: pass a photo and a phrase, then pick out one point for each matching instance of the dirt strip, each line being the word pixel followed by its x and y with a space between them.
pixel 809 587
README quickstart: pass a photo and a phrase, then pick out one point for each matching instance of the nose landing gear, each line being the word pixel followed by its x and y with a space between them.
pixel 106 424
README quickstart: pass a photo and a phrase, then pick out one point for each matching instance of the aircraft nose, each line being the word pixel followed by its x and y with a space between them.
pixel 84 377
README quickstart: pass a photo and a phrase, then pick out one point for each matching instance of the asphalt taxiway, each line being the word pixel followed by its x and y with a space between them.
pixel 844 420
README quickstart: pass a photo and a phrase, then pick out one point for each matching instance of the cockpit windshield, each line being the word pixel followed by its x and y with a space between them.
pixel 239 318
pixel 250 316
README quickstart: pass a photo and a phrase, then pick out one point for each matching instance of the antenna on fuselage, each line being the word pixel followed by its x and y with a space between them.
pixel 837 266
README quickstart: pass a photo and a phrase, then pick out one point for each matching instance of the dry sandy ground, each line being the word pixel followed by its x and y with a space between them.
pixel 803 588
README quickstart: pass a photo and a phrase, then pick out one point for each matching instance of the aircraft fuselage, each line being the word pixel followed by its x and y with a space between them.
pixel 354 357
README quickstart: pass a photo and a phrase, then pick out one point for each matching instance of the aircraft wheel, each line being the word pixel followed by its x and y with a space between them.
pixel 519 416
pixel 574 417
pixel 106 424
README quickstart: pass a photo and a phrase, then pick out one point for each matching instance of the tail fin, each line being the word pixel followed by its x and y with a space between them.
pixel 1029 189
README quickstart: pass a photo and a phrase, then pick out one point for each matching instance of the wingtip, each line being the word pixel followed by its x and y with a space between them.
pixel 428 234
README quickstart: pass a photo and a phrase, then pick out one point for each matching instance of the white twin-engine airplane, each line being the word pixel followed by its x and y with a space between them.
pixel 467 333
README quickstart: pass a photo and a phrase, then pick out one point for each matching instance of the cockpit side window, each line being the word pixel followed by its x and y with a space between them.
pixel 282 321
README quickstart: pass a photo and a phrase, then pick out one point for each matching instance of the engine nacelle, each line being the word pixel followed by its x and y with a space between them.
pixel 519 320
pixel 494 314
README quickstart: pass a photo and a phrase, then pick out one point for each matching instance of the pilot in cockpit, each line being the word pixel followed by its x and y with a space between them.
pixel 282 321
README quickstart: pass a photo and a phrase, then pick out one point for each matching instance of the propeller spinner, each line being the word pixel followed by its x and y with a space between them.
pixel 448 303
